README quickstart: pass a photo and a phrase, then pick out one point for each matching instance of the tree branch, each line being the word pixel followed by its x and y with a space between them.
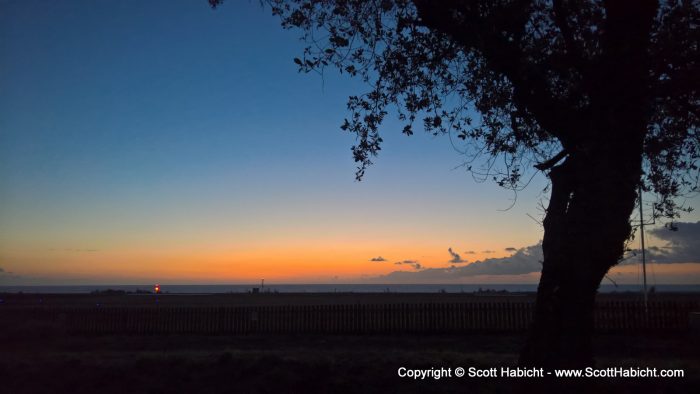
pixel 551 162
pixel 485 34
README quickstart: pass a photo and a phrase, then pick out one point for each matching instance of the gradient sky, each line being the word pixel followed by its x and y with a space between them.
pixel 163 141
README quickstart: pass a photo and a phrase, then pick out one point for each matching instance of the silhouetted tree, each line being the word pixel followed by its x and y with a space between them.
pixel 602 95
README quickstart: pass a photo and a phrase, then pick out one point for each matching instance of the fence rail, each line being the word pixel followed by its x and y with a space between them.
pixel 611 316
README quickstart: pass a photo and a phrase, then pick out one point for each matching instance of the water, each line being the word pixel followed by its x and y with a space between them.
pixel 328 288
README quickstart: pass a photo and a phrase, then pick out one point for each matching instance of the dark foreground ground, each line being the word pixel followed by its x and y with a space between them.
pixel 300 364
pixel 59 363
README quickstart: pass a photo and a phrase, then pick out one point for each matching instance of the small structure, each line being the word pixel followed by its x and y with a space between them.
pixel 156 288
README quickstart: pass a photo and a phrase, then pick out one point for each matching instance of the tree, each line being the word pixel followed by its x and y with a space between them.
pixel 601 95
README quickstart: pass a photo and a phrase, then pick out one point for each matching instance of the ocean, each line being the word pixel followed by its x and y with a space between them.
pixel 328 288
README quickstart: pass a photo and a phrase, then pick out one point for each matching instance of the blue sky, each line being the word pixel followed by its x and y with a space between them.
pixel 176 141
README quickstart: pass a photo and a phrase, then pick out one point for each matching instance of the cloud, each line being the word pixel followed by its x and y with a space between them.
pixel 525 260
pixel 511 249
pixel 455 257
pixel 488 251
pixel 470 252
pixel 378 258
pixel 7 275
pixel 682 245
pixel 413 263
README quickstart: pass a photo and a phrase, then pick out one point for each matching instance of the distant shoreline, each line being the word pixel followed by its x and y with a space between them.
pixel 327 288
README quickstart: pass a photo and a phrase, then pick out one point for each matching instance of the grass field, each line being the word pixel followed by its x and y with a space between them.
pixel 177 364
pixel 60 363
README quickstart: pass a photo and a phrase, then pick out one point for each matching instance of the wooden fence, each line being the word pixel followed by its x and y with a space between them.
pixel 611 316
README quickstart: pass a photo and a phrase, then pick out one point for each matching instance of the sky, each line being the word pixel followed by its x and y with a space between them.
pixel 145 142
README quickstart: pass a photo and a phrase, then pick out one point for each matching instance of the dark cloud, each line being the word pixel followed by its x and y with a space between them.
pixel 413 263
pixel 489 251
pixel 456 258
pixel 7 274
pixel 682 245
pixel 511 249
pixel 378 258
pixel 523 261
pixel 469 252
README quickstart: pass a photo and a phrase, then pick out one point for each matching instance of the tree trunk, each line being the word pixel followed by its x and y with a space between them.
pixel 593 192
pixel 586 226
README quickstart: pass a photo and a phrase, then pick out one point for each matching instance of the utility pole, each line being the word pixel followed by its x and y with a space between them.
pixel 644 257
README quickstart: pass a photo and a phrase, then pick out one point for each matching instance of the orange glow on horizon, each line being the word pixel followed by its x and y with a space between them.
pixel 330 260
pixel 282 262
